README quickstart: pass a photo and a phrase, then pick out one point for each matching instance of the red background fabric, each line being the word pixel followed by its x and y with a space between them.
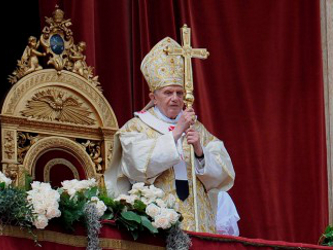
pixel 110 232
pixel 59 172
pixel 260 91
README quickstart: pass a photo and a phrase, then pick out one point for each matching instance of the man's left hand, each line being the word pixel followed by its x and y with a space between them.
pixel 193 138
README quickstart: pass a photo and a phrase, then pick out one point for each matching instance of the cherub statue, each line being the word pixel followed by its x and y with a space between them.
pixel 30 56
pixel 80 66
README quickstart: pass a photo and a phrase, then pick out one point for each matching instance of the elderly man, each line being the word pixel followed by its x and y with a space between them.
pixel 154 146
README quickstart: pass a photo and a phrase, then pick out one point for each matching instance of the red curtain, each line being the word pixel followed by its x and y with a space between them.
pixel 260 91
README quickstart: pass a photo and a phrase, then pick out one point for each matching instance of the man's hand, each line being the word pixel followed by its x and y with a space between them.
pixel 193 138
pixel 185 121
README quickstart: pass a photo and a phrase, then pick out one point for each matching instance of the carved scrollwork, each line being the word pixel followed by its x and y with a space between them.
pixel 55 105
pixel 9 144
pixel 11 170
pixel 24 142
pixel 57 38
pixel 93 148
pixel 58 47
pixel 68 145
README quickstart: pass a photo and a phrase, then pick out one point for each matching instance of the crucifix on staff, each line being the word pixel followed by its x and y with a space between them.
pixel 188 53
pixel 165 146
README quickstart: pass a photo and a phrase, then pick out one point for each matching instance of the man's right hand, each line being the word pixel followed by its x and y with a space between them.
pixel 185 121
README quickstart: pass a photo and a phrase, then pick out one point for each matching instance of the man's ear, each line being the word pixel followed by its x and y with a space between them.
pixel 152 97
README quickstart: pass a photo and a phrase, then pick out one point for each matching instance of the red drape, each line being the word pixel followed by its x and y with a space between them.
pixel 260 91
pixel 112 238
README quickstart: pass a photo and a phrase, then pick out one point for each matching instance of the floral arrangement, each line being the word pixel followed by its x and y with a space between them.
pixel 144 208
pixel 326 238
pixel 160 210
pixel 14 208
pixel 45 203
pixel 4 180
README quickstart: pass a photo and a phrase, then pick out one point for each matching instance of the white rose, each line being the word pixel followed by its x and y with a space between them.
pixel 161 221
pixel 35 185
pixel 160 203
pixel 4 179
pixel 41 222
pixel 171 200
pixel 94 199
pixel 100 206
pixel 52 212
pixel 71 192
pixel 172 215
pixel 157 191
pixel 152 210
pixel 38 208
pixel 145 201
pixel 121 197
pixel 91 182
pixel 138 186
pixel 149 195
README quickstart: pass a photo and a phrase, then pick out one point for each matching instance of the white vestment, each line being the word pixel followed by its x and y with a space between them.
pixel 145 151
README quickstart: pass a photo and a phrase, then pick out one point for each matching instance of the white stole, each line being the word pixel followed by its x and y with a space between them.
pixel 165 128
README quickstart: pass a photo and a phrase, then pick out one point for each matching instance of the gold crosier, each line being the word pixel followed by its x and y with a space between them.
pixel 188 52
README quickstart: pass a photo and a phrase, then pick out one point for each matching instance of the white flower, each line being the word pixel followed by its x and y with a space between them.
pixel 94 198
pixel 171 214
pixel 160 203
pixel 100 206
pixel 4 179
pixel 171 200
pixel 152 210
pixel 121 197
pixel 162 221
pixel 157 191
pixel 145 200
pixel 149 195
pixel 44 201
pixel 138 188
pixel 130 199
pixel 40 222
pixel 73 186
pixel 53 212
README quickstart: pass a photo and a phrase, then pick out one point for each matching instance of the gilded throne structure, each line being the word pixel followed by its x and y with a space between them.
pixel 55 122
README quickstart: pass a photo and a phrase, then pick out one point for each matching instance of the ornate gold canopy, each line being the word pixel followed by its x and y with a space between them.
pixel 59 106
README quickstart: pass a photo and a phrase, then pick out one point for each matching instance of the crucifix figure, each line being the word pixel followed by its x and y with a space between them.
pixel 188 53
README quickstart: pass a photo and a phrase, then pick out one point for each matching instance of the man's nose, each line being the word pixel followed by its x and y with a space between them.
pixel 174 96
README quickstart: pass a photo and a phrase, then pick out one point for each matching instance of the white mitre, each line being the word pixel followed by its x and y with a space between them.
pixel 160 69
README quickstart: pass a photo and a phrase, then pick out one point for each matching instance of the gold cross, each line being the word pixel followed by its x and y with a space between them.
pixel 187 52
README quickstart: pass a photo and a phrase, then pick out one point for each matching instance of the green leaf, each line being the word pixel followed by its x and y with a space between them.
pixel 135 234
pixel 2 185
pixel 107 216
pixel 27 181
pixel 131 216
pixel 107 201
pixel 147 224
pixel 139 206
pixel 91 192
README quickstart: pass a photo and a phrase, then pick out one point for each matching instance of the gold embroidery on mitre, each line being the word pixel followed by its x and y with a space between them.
pixel 161 70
